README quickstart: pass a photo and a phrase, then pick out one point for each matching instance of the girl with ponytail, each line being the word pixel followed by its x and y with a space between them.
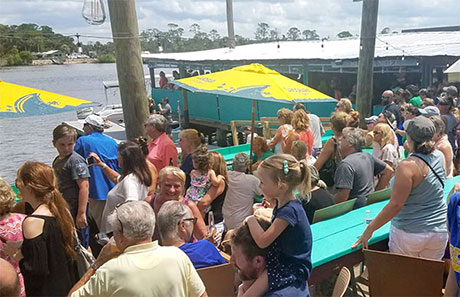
pixel 289 236
pixel 47 253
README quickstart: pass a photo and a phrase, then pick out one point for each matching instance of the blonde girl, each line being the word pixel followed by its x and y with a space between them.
pixel 202 176
pixel 289 236
pixel 383 136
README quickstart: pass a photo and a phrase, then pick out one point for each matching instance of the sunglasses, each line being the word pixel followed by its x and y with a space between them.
pixel 193 220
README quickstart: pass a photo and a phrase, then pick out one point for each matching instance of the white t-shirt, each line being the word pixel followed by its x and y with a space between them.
pixel 389 154
pixel 130 188
pixel 315 126
pixel 242 188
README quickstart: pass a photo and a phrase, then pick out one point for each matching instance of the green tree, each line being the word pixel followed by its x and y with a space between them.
pixel 26 57
pixel 293 33
pixel 310 34
pixel 262 31
pixel 14 58
pixel 214 35
pixel 274 35
pixel 344 34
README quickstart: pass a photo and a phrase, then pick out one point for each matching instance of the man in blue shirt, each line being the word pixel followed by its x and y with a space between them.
pixel 251 263
pixel 176 223
pixel 107 149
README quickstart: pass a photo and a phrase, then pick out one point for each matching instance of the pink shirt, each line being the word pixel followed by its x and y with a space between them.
pixel 11 230
pixel 161 151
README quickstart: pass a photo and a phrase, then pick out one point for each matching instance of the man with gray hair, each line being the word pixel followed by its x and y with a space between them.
pixel 176 222
pixel 162 151
pixel 242 189
pixel 140 267
pixel 354 177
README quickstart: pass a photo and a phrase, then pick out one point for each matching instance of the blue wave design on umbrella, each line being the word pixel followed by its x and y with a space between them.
pixel 33 105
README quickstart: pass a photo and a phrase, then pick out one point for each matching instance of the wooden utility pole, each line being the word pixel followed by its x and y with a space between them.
pixel 231 29
pixel 130 69
pixel 366 59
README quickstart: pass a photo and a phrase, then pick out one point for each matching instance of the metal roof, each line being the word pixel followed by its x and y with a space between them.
pixel 388 45
pixel 454 68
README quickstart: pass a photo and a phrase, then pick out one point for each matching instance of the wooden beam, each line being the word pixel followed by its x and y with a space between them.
pixel 130 69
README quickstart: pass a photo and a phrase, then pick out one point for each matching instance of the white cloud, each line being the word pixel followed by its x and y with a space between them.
pixel 327 17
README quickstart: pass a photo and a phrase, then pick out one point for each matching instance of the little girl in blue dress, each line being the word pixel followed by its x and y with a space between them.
pixel 202 176
pixel 289 239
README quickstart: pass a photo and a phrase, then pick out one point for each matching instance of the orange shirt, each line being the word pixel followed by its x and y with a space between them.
pixel 161 151
pixel 307 137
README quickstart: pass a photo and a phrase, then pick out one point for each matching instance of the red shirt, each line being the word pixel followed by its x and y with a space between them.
pixel 307 137
pixel 161 151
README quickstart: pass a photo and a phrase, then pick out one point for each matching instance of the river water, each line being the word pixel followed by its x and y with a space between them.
pixel 30 138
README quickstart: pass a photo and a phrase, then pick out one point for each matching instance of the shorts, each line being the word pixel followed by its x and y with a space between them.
pixel 430 245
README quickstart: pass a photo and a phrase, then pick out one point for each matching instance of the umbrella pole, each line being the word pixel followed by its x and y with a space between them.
pixel 252 129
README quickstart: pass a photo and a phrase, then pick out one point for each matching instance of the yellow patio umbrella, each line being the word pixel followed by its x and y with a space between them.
pixel 253 81
pixel 20 101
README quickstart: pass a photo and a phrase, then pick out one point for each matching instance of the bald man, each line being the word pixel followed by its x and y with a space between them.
pixel 9 281
pixel 389 104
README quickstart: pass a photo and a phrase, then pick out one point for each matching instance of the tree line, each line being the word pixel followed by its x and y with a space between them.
pixel 18 42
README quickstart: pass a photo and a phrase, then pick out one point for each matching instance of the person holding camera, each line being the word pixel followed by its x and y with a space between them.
pixel 106 148
pixel 132 184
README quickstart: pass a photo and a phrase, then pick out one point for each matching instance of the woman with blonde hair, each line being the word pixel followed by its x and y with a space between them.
pixel 190 140
pixel 47 254
pixel 344 105
pixel 301 125
pixel 171 187
pixel 329 157
pixel 383 136
pixel 284 119
pixel 10 227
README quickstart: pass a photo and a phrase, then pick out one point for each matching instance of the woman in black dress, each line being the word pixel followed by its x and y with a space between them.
pixel 47 253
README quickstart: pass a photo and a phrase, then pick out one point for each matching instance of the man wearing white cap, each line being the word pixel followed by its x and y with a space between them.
pixel 106 148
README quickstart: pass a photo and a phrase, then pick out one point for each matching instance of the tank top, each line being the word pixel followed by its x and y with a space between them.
pixel 451 128
pixel 425 209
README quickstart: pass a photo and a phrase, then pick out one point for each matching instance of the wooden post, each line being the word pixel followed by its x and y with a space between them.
pixel 364 91
pixel 234 133
pixel 152 78
pixel 266 130
pixel 130 69
pixel 230 27
pixel 252 129
pixel 184 98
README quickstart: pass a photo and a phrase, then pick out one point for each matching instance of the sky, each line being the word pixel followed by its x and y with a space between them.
pixel 327 17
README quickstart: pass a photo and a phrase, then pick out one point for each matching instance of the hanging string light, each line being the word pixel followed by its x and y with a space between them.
pixel 93 12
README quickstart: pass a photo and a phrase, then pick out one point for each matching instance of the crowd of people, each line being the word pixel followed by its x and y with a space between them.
pixel 163 214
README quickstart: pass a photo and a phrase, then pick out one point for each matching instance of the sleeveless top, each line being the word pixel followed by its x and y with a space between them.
pixel 284 133
pixel 46 268
pixel 216 207
pixel 11 230
pixel 451 128
pixel 199 186
pixel 308 138
pixel 425 209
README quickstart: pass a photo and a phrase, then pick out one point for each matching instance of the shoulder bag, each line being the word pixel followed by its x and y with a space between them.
pixel 84 258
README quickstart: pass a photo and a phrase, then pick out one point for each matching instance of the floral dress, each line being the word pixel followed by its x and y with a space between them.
pixel 199 186
pixel 11 230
